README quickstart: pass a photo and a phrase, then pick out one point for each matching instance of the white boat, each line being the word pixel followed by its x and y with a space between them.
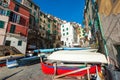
pixel 79 56
pixel 73 63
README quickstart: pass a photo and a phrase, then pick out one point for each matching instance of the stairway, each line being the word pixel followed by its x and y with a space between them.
pixel 7 50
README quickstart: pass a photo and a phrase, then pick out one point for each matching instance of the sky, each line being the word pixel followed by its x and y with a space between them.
pixel 69 10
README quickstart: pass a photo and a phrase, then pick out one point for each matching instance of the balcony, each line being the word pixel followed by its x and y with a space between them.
pixel 4 3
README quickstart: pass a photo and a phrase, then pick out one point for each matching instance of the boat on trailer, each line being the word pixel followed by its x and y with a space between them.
pixel 73 63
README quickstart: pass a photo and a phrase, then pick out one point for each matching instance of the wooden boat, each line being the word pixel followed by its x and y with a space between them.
pixel 81 70
pixel 2 63
pixel 93 61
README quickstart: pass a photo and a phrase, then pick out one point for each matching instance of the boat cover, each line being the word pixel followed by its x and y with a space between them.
pixel 78 56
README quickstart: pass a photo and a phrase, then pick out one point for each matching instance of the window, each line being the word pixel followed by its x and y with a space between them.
pixel 44 21
pixel 30 4
pixel 48 31
pixel 67 33
pixel 62 25
pixel 30 11
pixel 44 16
pixel 67 39
pixel 19 43
pixel 4 3
pixel 22 21
pixel 54 21
pixel 14 17
pixel 8 13
pixel 43 28
pixel 48 25
pixel 118 52
pixel 40 14
pixel 16 8
pixel 63 30
pixel 7 43
pixel 4 12
pixel 118 48
pixel 12 29
pixel 66 28
pixel 63 34
pixel 34 13
pixel 35 7
pixel 55 32
pixel 48 20
pixel 2 23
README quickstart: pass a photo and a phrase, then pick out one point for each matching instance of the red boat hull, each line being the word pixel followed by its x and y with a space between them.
pixel 49 69
pixel 1 65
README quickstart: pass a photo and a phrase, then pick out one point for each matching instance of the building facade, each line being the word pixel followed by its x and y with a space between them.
pixel 80 35
pixel 4 17
pixel 18 25
pixel 68 34
pixel 49 27
pixel 33 22
pixel 103 19
pixel 110 23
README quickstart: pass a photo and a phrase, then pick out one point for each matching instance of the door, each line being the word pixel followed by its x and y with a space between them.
pixel 7 43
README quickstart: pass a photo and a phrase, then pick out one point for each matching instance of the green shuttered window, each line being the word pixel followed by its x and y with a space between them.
pixel 2 23
pixel 12 29
pixel 19 43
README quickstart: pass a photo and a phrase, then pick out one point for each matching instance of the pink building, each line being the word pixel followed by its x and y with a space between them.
pixel 4 16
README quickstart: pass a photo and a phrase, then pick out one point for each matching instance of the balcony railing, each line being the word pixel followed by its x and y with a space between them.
pixel 4 3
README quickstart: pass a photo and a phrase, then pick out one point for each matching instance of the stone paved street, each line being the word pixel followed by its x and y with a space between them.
pixel 31 72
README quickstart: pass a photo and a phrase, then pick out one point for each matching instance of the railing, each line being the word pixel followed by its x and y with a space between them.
pixel 4 4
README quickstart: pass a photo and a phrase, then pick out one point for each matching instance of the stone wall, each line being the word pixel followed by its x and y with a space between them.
pixel 111 29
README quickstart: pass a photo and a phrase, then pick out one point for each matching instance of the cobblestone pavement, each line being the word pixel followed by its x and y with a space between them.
pixel 31 72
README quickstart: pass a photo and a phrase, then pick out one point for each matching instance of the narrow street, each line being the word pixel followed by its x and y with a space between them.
pixel 78 38
pixel 31 72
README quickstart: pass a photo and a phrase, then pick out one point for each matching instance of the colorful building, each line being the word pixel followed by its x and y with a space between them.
pixel 49 27
pixel 68 34
pixel 4 17
pixel 104 18
pixel 33 22
pixel 18 25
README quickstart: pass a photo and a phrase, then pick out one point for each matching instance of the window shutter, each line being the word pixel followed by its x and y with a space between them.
pixel 12 29
pixel 8 13
pixel 19 43
pixel 2 23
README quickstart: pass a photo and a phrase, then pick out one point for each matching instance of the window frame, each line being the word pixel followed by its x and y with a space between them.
pixel 2 23
pixel 20 43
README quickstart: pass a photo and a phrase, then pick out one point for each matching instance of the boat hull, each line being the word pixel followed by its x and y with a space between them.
pixel 49 69
pixel 2 63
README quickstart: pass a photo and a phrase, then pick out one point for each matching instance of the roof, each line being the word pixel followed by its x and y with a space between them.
pixel 78 56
